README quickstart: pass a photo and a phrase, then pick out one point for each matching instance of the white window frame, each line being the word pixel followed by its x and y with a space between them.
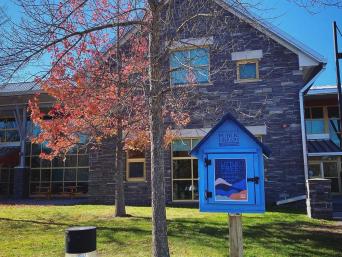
pixel 192 171
pixel 188 48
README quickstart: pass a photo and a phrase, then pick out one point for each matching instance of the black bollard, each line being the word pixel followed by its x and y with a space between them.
pixel 80 242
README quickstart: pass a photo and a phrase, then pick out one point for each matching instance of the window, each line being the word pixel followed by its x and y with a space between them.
pixel 58 176
pixel 136 166
pixel 184 170
pixel 6 179
pixel 331 172
pixel 333 116
pixel 328 168
pixel 323 120
pixel 8 131
pixel 315 123
pixel 315 170
pixel 191 65
pixel 247 70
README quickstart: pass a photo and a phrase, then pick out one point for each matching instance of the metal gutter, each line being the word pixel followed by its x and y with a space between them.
pixel 302 92
pixel 291 200
pixel 325 154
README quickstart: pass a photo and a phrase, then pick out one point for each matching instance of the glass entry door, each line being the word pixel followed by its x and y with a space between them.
pixel 329 169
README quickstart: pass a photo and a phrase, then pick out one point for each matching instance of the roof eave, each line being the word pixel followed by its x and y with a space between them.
pixel 313 71
pixel 275 33
pixel 266 151
pixel 31 92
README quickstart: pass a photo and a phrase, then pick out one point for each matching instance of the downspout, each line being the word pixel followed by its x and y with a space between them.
pixel 302 92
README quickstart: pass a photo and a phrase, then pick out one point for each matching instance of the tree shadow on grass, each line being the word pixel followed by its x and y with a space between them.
pixel 297 238
pixel 291 237
pixel 106 233
pixel 286 209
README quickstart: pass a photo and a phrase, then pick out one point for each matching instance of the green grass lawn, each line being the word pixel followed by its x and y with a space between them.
pixel 39 231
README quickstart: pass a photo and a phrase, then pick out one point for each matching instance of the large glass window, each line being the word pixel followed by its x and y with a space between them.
pixel 136 166
pixel 8 131
pixel 61 176
pixel 190 65
pixel 184 170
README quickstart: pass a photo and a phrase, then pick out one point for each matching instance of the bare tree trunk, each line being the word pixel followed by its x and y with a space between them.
pixel 160 246
pixel 159 226
pixel 120 208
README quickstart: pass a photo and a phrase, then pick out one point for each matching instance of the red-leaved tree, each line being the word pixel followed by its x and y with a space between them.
pixel 99 95
pixel 102 89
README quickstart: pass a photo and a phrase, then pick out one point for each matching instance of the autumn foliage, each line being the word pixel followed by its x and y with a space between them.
pixel 97 87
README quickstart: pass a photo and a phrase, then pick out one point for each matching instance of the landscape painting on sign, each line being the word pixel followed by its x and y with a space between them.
pixel 230 180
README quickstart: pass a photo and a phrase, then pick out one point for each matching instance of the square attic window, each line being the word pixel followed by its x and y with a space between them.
pixel 247 70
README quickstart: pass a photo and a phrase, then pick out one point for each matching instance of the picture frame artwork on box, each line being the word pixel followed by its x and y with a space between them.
pixel 231 180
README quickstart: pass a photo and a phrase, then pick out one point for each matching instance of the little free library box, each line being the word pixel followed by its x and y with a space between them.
pixel 231 169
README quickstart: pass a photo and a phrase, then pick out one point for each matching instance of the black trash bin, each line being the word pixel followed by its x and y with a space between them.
pixel 80 242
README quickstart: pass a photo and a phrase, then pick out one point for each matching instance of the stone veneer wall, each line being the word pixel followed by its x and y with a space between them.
pixel 101 174
pixel 102 183
pixel 272 101
pixel 319 200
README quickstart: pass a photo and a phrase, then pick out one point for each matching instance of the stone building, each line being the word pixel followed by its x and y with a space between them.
pixel 265 71
pixel 263 84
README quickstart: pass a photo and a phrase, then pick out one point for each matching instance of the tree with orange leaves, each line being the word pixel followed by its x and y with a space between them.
pixel 101 94
pixel 97 95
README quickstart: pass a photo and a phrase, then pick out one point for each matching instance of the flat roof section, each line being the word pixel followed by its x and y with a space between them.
pixel 323 148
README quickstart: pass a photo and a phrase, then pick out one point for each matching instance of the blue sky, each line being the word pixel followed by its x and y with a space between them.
pixel 314 30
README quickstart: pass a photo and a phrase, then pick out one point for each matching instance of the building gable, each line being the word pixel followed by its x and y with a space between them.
pixel 308 59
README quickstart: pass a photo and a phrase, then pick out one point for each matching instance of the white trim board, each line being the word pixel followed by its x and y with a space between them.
pixel 325 154
pixel 188 42
pixel 201 132
pixel 247 55
pixel 318 136
pixel 9 144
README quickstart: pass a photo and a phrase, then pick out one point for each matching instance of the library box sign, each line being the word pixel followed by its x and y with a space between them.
pixel 231 169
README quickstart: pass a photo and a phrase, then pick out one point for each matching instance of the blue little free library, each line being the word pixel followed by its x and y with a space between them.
pixel 231 169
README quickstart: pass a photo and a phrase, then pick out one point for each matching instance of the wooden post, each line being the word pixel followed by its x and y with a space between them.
pixel 235 235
